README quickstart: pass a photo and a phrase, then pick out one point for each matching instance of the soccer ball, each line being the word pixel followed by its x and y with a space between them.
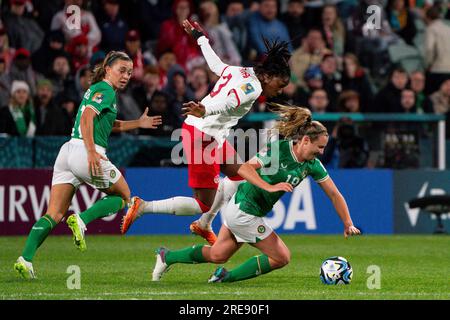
pixel 336 270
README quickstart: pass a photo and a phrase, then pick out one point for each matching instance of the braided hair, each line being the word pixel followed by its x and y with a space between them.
pixel 276 63
pixel 99 72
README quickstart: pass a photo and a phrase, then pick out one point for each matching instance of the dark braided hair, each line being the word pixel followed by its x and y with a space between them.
pixel 276 63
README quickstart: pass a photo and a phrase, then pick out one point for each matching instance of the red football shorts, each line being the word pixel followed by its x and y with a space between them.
pixel 204 157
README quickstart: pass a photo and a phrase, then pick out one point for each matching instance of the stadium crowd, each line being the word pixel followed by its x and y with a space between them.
pixel 339 63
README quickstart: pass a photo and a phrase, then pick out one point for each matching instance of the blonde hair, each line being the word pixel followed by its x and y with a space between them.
pixel 296 122
pixel 99 72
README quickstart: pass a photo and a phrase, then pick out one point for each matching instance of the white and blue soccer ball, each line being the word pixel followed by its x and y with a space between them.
pixel 336 270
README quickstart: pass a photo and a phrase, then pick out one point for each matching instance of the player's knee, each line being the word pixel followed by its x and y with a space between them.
pixel 282 260
pixel 218 257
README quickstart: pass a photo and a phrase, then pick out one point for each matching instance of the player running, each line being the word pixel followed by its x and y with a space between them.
pixel 255 198
pixel 83 160
pixel 205 130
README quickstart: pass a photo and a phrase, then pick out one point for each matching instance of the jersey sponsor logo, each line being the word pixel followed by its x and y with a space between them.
pixel 283 166
pixel 98 97
pixel 247 88
pixel 261 229
pixel 114 106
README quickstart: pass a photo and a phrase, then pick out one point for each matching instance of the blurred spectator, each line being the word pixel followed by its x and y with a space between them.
pixel 236 17
pixel 401 20
pixel 60 76
pixel 198 82
pixel 112 26
pixel 4 83
pixel 22 70
pixel 333 30
pixel 79 51
pixel 82 82
pixel 313 80
pixel 88 25
pixel 218 33
pixel 23 32
pixel 441 98
pixel 17 118
pixel 177 89
pixel 264 23
pixel 332 79
pixel 127 107
pixel 173 37
pixel 166 61
pixel 311 52
pixel 160 106
pixel 149 16
pixel 388 98
pixel 150 84
pixel 134 50
pixel 294 19
pixel 408 101
pixel 437 50
pixel 318 102
pixel 51 119
pixel 355 78
pixel 96 58
pixel 51 47
pixel 349 101
pixel 417 83
pixel 6 52
pixel 44 10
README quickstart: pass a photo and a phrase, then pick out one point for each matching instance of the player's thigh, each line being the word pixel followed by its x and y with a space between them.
pixel 120 188
pixel 274 248
pixel 229 160
pixel 225 246
pixel 60 198
pixel 205 195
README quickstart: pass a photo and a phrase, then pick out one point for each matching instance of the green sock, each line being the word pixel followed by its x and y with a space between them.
pixel 37 235
pixel 188 255
pixel 251 268
pixel 104 207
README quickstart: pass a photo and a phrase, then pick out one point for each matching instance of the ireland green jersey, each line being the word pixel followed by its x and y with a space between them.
pixel 258 202
pixel 101 97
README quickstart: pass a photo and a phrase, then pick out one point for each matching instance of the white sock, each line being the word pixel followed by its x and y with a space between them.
pixel 227 188
pixel 180 206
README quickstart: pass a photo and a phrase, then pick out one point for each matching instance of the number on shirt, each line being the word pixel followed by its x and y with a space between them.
pixel 226 79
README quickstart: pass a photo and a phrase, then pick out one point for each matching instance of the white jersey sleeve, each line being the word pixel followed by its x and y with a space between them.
pixel 214 63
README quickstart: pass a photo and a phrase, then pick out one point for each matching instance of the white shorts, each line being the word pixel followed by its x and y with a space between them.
pixel 245 227
pixel 71 166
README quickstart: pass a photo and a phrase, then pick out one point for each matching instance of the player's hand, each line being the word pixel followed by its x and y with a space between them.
pixel 94 163
pixel 282 186
pixel 146 122
pixel 194 29
pixel 195 109
pixel 351 231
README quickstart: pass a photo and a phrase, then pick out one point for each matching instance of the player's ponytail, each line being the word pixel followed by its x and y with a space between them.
pixel 296 122
pixel 99 72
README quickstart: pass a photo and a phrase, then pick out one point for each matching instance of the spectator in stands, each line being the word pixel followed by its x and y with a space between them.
pixel 408 101
pixel 22 70
pixel 60 76
pixel 198 82
pixel 417 83
pixel 236 17
pixel 332 79
pixel 313 80
pixel 355 78
pixel 134 51
pixel 160 106
pixel 79 52
pixel 437 50
pixel 82 82
pixel 23 32
pixel 173 37
pixel 441 98
pixel 53 46
pixel 6 52
pixel 88 25
pixel 218 33
pixel 349 101
pixel 166 61
pixel 401 20
pixel 333 29
pixel 4 83
pixel 150 84
pixel 148 17
pixel 17 118
pixel 264 23
pixel 295 21
pixel 311 52
pixel 318 102
pixel 51 119
pixel 112 27
pixel 388 98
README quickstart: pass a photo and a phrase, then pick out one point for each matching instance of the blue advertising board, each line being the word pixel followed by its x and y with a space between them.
pixel 307 210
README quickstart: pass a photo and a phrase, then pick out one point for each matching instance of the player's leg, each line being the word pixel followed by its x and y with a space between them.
pixel 225 246
pixel 60 198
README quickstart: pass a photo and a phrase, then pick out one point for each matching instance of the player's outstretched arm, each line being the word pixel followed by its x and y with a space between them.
pixel 340 205
pixel 144 122
pixel 196 31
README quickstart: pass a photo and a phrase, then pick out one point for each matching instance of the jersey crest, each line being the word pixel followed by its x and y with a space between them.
pixel 98 97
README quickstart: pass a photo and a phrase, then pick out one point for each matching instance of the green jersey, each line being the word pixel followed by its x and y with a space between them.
pixel 258 202
pixel 101 98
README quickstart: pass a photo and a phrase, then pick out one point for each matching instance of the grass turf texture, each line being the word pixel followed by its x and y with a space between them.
pixel 115 267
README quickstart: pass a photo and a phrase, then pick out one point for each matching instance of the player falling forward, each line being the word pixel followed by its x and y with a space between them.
pixel 255 198
pixel 83 160
pixel 208 124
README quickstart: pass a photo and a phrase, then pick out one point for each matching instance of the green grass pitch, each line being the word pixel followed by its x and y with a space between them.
pixel 116 267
